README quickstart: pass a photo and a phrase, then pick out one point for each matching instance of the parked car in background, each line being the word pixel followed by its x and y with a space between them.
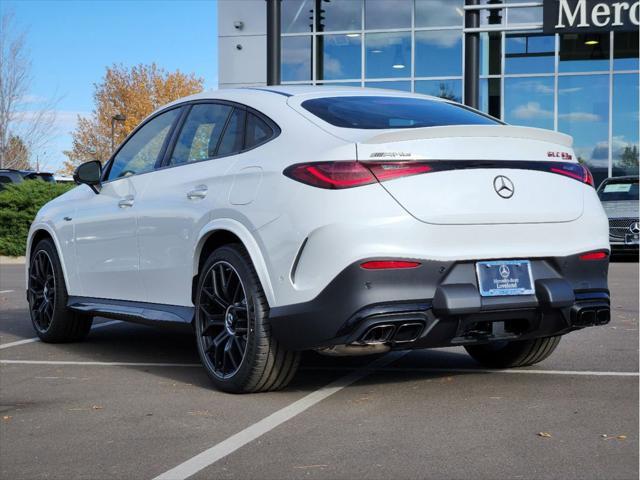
pixel 619 197
pixel 9 175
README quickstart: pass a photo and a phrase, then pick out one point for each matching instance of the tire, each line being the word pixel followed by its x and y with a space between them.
pixel 513 354
pixel 232 327
pixel 47 297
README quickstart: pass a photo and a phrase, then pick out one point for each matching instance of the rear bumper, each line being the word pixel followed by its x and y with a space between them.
pixel 438 304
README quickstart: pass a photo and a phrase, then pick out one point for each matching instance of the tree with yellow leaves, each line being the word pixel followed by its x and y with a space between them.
pixel 131 92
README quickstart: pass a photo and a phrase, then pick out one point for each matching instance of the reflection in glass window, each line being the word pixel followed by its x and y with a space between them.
pixel 296 58
pixel 344 84
pixel 583 112
pixel 449 89
pixel 439 53
pixel 489 98
pixel 340 56
pixel 397 85
pixel 233 137
pixel 625 51
pixel 584 52
pixel 388 55
pixel 491 17
pixel 529 54
pixel 342 15
pixel 439 13
pixel 296 16
pixel 140 153
pixel 626 119
pixel 529 101
pixel 387 14
pixel 200 134
pixel 527 15
pixel 490 53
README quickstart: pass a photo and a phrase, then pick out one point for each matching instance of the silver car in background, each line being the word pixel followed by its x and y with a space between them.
pixel 619 196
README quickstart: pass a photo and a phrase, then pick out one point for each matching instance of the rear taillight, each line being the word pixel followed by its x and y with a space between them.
pixel 388 264
pixel 576 171
pixel 349 174
pixel 594 255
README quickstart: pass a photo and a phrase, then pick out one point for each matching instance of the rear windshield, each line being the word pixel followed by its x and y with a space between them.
pixel 393 112
pixel 619 191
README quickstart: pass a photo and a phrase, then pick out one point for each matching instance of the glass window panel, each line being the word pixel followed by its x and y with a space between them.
pixel 626 119
pixel 296 16
pixel 490 53
pixel 439 53
pixel 529 54
pixel 257 131
pixel 397 85
pixel 200 134
pixel 388 55
pixel 341 15
pixel 449 89
pixel 529 102
pixel 296 58
pixel 583 112
pixel 625 51
pixel 233 137
pixel 525 15
pixel 491 17
pixel 387 14
pixel 141 151
pixel 439 13
pixel 341 56
pixel 582 52
pixel 490 96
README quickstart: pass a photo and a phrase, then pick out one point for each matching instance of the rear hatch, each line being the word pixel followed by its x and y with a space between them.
pixel 470 164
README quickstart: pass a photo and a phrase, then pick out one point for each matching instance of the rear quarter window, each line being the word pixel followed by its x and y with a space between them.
pixel 373 112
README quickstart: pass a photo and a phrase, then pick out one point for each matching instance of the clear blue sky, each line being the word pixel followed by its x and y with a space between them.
pixel 71 43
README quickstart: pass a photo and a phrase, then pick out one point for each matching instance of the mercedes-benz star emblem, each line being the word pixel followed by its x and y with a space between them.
pixel 634 228
pixel 504 271
pixel 503 186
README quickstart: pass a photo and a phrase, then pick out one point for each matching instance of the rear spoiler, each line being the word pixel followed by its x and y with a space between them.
pixel 504 131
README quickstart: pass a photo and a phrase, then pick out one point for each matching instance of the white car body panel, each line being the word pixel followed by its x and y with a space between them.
pixel 150 251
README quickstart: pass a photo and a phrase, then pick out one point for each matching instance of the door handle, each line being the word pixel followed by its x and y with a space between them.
pixel 197 193
pixel 126 202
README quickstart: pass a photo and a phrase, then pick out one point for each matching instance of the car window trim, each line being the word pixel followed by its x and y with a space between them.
pixel 107 168
pixel 275 131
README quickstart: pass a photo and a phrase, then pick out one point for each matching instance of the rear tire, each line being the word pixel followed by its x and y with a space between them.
pixel 233 333
pixel 513 354
pixel 47 297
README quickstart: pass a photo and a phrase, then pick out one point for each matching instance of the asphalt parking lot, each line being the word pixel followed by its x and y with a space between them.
pixel 132 403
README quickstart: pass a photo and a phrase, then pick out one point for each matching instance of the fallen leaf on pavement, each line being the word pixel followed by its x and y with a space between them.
pixel 6 417
pixel 544 434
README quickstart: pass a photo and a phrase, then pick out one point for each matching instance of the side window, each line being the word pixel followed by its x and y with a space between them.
pixel 200 134
pixel 141 151
pixel 257 131
pixel 233 138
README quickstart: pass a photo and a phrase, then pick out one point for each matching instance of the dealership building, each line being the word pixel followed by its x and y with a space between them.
pixel 566 65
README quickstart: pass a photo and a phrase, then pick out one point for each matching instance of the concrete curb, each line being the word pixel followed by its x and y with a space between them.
pixel 12 260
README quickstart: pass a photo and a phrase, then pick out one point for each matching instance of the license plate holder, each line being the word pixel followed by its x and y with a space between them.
pixel 504 278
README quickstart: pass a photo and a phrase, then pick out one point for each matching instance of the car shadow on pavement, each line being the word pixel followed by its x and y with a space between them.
pixel 137 344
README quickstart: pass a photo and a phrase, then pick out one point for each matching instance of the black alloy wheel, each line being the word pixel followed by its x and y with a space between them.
pixel 42 290
pixel 223 319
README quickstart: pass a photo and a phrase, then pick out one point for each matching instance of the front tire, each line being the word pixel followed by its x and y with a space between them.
pixel 47 297
pixel 232 327
pixel 513 354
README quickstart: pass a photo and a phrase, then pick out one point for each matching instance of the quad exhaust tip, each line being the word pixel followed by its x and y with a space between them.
pixel 392 333
pixel 592 315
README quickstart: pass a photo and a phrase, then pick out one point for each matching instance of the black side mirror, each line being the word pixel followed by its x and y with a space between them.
pixel 90 174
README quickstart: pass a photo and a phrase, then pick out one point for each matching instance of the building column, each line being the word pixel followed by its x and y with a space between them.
pixel 472 56
pixel 273 42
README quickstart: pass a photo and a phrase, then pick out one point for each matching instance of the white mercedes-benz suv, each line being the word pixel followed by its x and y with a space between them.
pixel 343 220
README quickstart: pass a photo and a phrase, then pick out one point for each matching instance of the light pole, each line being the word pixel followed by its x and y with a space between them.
pixel 118 117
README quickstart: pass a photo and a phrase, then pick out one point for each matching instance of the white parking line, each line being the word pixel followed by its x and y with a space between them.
pixel 36 339
pixel 587 373
pixel 234 442
pixel 98 364
pixel 6 291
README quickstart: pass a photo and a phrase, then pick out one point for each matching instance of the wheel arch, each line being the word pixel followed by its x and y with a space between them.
pixel 226 231
pixel 40 232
